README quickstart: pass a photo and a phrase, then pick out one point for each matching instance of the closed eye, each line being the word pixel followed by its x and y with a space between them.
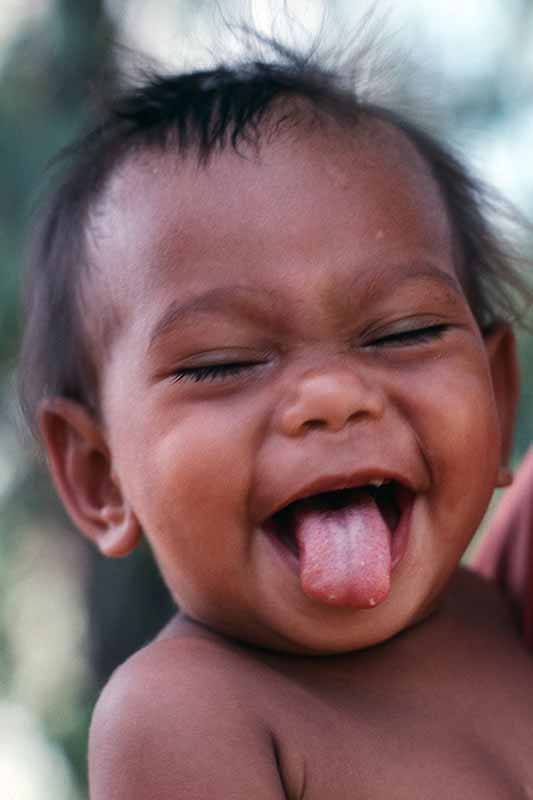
pixel 410 337
pixel 212 372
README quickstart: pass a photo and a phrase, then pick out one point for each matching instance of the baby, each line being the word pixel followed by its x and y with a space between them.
pixel 268 330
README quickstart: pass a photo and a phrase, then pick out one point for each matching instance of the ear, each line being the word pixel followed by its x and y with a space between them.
pixel 80 463
pixel 501 350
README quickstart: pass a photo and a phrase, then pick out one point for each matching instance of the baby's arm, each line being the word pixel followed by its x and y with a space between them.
pixel 170 726
pixel 506 551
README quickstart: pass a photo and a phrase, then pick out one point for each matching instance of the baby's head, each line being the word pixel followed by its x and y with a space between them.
pixel 267 328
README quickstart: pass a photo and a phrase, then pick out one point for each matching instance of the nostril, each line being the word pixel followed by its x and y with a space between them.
pixel 329 401
pixel 315 424
pixel 356 416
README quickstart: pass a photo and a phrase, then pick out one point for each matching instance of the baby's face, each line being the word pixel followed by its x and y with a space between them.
pixel 293 334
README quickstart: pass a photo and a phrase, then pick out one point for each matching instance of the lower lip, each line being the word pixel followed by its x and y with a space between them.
pixel 399 543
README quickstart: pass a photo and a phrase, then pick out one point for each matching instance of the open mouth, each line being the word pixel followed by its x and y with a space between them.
pixel 391 498
pixel 344 543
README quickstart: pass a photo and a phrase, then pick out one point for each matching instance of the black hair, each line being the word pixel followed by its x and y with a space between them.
pixel 198 114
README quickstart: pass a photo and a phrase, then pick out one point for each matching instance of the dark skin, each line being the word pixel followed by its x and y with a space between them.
pixel 437 711
pixel 305 333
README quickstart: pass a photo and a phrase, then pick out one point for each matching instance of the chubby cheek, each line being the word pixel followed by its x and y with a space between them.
pixel 460 436
pixel 189 490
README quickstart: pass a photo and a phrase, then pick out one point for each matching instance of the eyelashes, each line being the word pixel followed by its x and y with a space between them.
pixel 205 373
pixel 211 372
pixel 411 337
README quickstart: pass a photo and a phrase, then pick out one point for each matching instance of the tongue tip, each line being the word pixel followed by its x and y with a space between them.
pixel 349 597
pixel 345 555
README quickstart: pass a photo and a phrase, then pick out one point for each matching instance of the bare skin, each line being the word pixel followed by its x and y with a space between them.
pixel 300 412
pixel 506 550
pixel 440 711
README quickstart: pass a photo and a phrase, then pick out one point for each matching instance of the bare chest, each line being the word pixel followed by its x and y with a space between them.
pixel 468 737
pixel 416 756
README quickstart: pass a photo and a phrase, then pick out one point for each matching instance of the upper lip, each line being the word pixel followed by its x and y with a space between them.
pixel 336 482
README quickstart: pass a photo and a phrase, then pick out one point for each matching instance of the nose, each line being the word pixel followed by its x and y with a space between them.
pixel 329 400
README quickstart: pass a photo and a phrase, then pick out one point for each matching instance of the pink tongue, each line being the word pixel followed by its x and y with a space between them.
pixel 345 553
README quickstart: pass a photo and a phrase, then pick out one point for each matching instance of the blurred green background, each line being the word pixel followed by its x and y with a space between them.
pixel 66 616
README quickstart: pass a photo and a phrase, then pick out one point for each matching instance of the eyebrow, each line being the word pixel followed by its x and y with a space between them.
pixel 246 301
pixel 223 300
pixel 430 273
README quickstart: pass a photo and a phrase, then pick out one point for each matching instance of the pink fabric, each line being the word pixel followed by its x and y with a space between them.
pixel 506 550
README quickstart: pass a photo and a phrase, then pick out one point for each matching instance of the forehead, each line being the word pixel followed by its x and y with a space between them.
pixel 267 213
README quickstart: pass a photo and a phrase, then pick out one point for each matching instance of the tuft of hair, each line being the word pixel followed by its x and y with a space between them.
pixel 199 114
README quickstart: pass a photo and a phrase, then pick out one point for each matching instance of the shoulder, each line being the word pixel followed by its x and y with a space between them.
pixel 472 605
pixel 171 723
pixel 170 669
pixel 476 603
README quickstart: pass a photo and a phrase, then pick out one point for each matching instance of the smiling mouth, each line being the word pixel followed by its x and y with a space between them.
pixel 344 543
pixel 390 499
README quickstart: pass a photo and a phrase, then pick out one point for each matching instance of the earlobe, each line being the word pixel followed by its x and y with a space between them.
pixel 500 344
pixel 122 534
pixel 80 463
